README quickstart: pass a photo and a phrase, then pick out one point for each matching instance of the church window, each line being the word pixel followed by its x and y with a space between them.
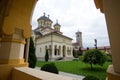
pixel 41 23
pixel 55 52
pixel 40 49
pixel 59 50
pixel 45 47
pixel 49 46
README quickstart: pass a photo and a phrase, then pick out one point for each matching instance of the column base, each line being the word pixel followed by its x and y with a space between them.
pixel 111 75
pixel 6 70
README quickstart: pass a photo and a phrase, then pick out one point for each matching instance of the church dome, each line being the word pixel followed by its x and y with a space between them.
pixel 57 24
pixel 45 18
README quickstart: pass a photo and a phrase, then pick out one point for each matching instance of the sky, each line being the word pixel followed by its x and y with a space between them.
pixel 73 16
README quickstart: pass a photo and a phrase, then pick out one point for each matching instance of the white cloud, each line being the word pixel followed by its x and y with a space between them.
pixel 74 15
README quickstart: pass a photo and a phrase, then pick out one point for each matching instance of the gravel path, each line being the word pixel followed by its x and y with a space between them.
pixel 77 77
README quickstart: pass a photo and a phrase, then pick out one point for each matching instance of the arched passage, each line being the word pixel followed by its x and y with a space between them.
pixel 64 51
pixel 15 27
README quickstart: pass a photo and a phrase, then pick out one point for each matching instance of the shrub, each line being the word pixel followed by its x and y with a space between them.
pixel 90 78
pixel 50 67
pixel 81 58
pixel 75 53
pixel 60 58
pixel 75 59
pixel 109 57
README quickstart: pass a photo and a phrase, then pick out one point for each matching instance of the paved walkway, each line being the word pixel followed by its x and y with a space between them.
pixel 77 77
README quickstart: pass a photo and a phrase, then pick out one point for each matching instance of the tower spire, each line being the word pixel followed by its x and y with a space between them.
pixel 44 13
pixel 57 21
pixel 48 15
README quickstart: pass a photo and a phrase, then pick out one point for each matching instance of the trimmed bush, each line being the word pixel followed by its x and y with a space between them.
pixel 90 78
pixel 50 67
pixel 46 56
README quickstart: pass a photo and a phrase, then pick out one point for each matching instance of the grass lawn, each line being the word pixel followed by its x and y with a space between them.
pixel 80 68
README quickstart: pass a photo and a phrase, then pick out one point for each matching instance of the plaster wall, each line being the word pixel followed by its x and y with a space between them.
pixel 112 14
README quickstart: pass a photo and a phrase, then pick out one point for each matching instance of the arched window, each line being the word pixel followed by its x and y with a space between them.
pixel 45 47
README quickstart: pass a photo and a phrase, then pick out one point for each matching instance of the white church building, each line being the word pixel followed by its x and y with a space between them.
pixel 48 37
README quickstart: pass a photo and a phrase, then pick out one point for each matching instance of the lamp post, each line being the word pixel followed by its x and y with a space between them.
pixel 95 43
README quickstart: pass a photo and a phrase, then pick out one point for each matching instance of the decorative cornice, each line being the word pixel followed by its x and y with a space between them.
pixel 12 61
pixel 12 40
pixel 16 19
pixel 99 5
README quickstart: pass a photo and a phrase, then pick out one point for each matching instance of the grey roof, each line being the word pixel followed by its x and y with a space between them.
pixel 57 24
pixel 45 18
pixel 37 32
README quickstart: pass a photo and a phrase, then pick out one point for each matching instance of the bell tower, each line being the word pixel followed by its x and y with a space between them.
pixel 79 38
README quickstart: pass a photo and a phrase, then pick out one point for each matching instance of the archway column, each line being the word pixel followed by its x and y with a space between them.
pixel 66 51
pixel 53 51
pixel 112 15
pixel 14 29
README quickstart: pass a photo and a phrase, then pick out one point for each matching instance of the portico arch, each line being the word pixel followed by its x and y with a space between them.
pixel 64 51
pixel 15 17
pixel 23 19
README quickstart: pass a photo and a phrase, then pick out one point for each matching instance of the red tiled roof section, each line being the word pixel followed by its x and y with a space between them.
pixel 100 48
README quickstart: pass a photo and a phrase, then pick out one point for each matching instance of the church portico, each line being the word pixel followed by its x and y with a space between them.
pixel 56 50
pixel 61 50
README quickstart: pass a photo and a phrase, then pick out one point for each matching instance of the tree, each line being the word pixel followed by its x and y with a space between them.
pixel 80 51
pixel 46 56
pixel 32 57
pixel 87 48
pixel 75 54
pixel 94 57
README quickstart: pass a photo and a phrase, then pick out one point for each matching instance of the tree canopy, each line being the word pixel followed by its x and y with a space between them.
pixel 94 57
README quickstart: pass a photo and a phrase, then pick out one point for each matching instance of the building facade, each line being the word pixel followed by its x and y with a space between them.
pixel 51 39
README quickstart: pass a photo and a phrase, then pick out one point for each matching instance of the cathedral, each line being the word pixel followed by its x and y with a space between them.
pixel 48 37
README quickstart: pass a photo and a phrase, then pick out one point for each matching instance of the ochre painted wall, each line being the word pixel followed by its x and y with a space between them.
pixel 15 28
pixel 19 17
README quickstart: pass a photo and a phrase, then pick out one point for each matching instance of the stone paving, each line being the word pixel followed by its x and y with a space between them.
pixel 76 77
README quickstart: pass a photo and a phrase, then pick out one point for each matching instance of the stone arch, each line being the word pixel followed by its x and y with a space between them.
pixel 59 50
pixel 64 51
pixel 55 51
